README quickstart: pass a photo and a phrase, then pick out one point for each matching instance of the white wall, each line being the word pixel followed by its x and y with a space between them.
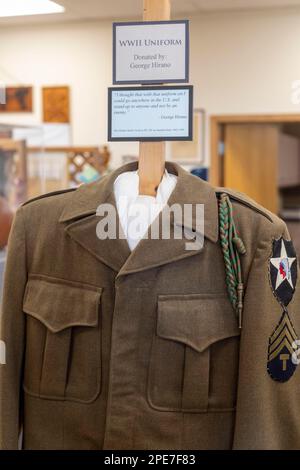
pixel 240 63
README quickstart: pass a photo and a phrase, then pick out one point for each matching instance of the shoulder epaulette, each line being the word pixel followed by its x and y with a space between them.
pixel 246 201
pixel 52 193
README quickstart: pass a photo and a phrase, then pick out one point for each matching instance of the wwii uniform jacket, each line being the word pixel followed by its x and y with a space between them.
pixel 112 349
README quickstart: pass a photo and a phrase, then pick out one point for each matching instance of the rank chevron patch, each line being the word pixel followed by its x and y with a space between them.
pixel 281 348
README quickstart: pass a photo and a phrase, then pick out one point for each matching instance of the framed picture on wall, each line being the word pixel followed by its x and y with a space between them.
pixel 193 151
pixel 18 99
pixel 56 104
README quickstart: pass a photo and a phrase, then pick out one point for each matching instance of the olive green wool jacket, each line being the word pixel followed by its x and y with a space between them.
pixel 112 349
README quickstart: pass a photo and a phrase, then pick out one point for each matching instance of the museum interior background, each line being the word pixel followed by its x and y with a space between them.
pixel 245 68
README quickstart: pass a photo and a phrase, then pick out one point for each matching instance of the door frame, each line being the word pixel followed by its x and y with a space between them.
pixel 217 125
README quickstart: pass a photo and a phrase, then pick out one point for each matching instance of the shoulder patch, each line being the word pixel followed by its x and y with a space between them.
pixel 52 193
pixel 246 201
pixel 284 341
pixel 283 270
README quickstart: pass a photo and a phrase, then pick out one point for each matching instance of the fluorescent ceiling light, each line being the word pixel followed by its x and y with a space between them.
pixel 28 7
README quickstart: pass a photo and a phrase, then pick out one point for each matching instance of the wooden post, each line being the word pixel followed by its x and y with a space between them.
pixel 152 154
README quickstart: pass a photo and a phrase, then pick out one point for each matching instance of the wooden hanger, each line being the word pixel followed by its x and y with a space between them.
pixel 152 154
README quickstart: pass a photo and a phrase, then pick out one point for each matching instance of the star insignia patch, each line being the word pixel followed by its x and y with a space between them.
pixel 282 346
pixel 283 270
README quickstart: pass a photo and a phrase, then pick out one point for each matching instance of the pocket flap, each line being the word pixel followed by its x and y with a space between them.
pixel 197 320
pixel 60 304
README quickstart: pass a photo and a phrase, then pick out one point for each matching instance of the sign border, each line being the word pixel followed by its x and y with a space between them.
pixel 150 139
pixel 133 23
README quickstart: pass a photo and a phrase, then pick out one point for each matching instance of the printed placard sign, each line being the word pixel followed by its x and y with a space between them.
pixel 150 113
pixel 151 52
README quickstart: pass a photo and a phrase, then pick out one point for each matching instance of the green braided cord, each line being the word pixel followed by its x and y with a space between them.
pixel 232 247
pixel 224 231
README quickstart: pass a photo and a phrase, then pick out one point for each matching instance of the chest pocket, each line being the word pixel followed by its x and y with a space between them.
pixel 63 340
pixel 194 355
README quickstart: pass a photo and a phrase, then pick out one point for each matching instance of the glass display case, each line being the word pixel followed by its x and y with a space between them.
pixel 38 159
pixel 14 162
pixel 14 178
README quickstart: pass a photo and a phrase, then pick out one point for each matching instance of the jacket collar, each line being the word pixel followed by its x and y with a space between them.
pixel 79 216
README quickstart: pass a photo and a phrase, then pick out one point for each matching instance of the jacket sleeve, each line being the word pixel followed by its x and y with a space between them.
pixel 12 336
pixel 268 410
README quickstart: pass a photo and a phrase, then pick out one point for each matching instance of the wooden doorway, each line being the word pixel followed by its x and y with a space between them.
pixel 250 161
pixel 218 129
pixel 245 154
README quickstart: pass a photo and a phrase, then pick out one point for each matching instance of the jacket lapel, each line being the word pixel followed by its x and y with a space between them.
pixel 81 220
pixel 155 252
